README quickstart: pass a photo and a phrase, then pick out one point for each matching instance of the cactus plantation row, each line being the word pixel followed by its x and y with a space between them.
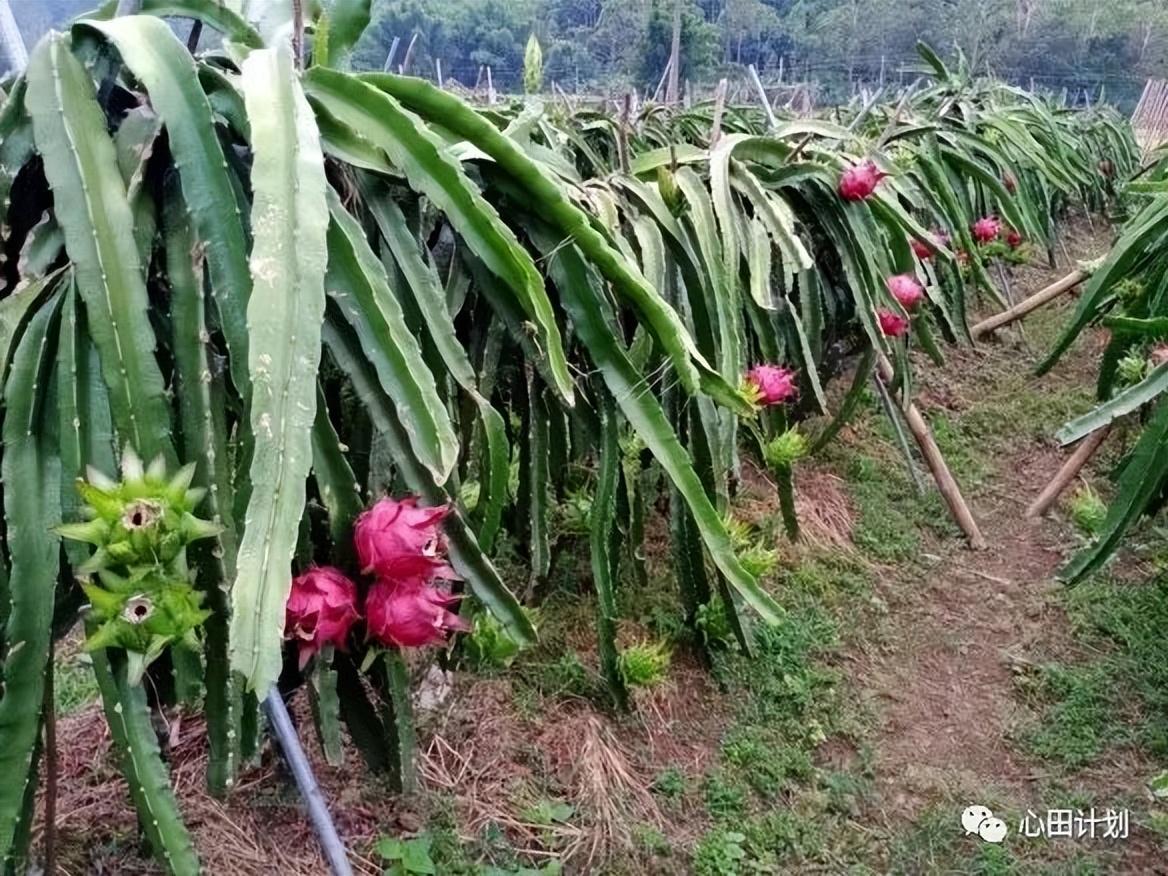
pixel 289 351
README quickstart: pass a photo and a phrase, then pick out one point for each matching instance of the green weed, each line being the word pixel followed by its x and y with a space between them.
pixel 73 683
pixel 1118 697
pixel 720 853
pixel 670 783
pixel 1087 510
pixel 644 664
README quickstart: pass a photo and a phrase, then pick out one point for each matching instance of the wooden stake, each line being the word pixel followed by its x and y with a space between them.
pixel 194 36
pixel 298 34
pixel 661 81
pixel 1025 306
pixel 674 68
pixel 622 135
pixel 1069 471
pixel 388 65
pixel 947 486
pixel 52 771
pixel 772 122
pixel 11 41
pixel 719 108
pixel 404 67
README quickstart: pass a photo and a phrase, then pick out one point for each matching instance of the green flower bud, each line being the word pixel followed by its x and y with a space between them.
pixel 144 519
pixel 786 449
pixel 670 193
pixel 1131 369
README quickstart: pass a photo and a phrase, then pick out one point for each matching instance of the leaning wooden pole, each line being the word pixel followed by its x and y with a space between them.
pixel 719 108
pixel 772 121
pixel 1025 306
pixel 671 87
pixel 11 40
pixel 947 486
pixel 1069 471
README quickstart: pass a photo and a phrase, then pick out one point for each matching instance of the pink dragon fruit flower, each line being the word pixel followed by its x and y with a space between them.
pixel 859 181
pixel 410 614
pixel 906 290
pixel 892 325
pixel 771 384
pixel 1013 238
pixel 321 609
pixel 399 540
pixel 986 229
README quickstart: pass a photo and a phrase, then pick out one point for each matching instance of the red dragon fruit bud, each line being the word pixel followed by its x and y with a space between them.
pixel 924 249
pixel 892 325
pixel 320 610
pixel 410 615
pixel 771 384
pixel 986 229
pixel 906 290
pixel 402 541
pixel 1010 182
pixel 1013 238
pixel 859 181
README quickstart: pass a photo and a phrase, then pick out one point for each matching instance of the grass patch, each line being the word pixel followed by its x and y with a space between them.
pixel 1119 696
pixel 892 514
pixel 1017 407
pixel 73 683
pixel 935 843
pixel 771 806
pixel 1080 719
pixel 885 528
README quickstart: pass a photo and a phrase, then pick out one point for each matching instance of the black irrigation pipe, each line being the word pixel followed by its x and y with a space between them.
pixel 318 813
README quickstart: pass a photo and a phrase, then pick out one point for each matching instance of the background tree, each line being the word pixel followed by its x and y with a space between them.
pixel 609 46
pixel 699 41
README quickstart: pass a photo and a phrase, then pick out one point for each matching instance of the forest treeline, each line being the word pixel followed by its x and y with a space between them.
pixel 609 44
pixel 613 45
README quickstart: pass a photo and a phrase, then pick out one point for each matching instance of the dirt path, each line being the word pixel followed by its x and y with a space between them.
pixel 945 688
pixel 942 686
